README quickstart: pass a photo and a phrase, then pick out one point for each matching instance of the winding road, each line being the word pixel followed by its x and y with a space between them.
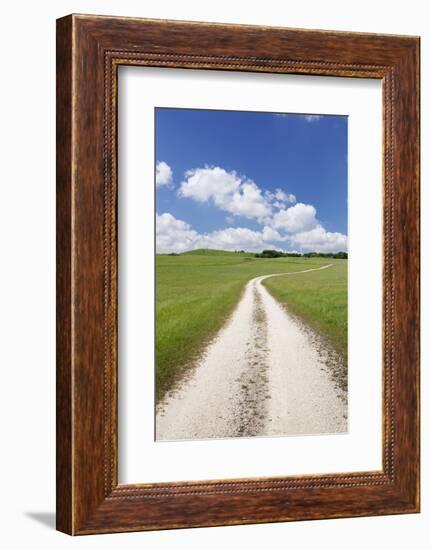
pixel 264 374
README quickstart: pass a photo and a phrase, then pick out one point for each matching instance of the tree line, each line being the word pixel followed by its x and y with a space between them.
pixel 280 254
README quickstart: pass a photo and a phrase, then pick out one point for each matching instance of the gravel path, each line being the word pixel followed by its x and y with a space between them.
pixel 264 374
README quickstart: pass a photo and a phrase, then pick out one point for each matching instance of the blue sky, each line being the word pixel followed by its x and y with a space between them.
pixel 250 180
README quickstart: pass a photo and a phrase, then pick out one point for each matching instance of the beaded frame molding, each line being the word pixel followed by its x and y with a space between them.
pixel 89 51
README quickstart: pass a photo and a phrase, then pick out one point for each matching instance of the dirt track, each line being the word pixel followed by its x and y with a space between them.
pixel 264 374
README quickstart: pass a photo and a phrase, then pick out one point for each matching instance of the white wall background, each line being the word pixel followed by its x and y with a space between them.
pixel 27 279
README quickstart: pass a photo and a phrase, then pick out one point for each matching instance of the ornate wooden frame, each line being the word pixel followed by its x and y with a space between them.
pixel 89 51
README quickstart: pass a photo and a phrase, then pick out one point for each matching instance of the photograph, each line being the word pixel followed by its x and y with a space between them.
pixel 251 315
pixel 212 305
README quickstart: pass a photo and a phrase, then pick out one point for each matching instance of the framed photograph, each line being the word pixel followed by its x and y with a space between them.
pixel 237 274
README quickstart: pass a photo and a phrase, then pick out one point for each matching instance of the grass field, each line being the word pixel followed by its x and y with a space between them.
pixel 319 298
pixel 196 292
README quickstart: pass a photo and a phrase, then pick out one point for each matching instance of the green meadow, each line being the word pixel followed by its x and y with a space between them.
pixel 319 298
pixel 197 291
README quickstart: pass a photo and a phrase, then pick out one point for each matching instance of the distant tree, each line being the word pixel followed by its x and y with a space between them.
pixel 280 254
pixel 269 254
pixel 341 255
pixel 277 254
pixel 336 255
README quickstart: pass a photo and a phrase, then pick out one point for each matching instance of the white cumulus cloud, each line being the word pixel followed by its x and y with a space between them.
pixel 313 118
pixel 270 234
pixel 174 235
pixel 227 190
pixel 282 196
pixel 279 199
pixel 297 218
pixel 233 238
pixel 319 240
pixel 283 221
pixel 163 174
